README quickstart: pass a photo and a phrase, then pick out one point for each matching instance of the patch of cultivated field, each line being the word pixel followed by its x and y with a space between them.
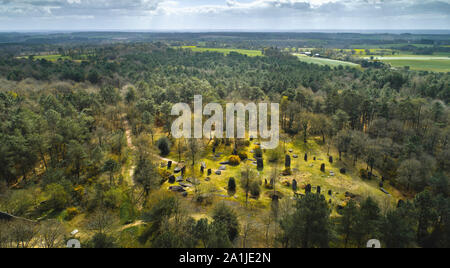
pixel 225 51
pixel 326 62
pixel 52 58
pixel 422 65
pixel 419 63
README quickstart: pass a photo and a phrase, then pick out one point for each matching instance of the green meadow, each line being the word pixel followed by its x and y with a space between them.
pixel 52 58
pixel 225 51
pixel 437 65
pixel 326 62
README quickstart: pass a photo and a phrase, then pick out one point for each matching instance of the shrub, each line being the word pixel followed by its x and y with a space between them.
pixel 163 146
pixel 274 155
pixel 228 219
pixel 112 198
pixel 165 174
pixel 232 185
pixel 58 197
pixel 255 189
pixel 243 155
pixel 258 152
pixel 235 160
pixel 364 174
pixel 71 213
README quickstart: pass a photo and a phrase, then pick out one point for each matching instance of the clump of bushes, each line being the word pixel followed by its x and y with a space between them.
pixel 165 174
pixel 364 174
pixel 235 160
pixel 274 156
pixel 71 213
pixel 164 146
pixel 258 152
pixel 243 156
pixel 255 189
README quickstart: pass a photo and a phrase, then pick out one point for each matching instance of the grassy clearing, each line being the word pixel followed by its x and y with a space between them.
pixel 437 65
pixel 52 58
pixel 326 62
pixel 303 172
pixel 388 46
pixel 225 51
pixel 418 62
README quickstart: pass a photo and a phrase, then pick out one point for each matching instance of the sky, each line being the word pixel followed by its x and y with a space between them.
pixel 245 15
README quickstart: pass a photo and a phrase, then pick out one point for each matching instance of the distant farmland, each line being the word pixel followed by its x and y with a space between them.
pixel 418 63
pixel 53 58
pixel 225 51
pixel 326 62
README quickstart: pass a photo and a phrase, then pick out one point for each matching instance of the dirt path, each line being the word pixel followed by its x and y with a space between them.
pixel 130 144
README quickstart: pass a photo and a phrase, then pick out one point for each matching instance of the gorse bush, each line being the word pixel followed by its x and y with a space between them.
pixel 235 160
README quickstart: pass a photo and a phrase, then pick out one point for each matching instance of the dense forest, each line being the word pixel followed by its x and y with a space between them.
pixel 65 151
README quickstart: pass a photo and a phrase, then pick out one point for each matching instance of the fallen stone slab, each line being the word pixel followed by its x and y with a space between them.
pixel 384 191
pixel 179 189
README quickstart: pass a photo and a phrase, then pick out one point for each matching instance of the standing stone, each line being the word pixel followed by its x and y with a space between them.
pixel 203 167
pixel 294 185
pixel 260 163
pixel 306 157
pixel 169 165
pixel 319 189
pixel 308 188
pixel 288 162
pixel 322 168
pixel 331 159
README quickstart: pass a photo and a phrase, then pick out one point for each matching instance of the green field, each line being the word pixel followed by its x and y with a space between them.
pixel 225 51
pixel 47 57
pixel 388 46
pixel 52 58
pixel 418 62
pixel 326 62
pixel 421 65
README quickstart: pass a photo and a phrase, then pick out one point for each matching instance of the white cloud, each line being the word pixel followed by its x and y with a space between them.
pixel 236 14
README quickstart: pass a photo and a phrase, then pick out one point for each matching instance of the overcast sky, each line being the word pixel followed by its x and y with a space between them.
pixel 223 14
